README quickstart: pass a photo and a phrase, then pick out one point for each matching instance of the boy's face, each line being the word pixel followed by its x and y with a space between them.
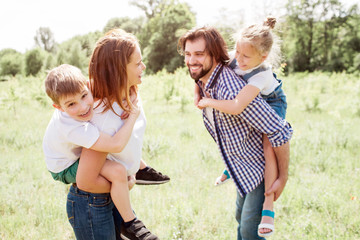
pixel 247 56
pixel 79 106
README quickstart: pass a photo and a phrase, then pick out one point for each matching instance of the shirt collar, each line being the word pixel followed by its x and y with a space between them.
pixel 212 77
pixel 242 72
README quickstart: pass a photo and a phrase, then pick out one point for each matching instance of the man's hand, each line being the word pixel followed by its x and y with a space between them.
pixel 277 187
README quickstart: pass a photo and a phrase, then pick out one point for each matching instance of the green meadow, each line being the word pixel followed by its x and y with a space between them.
pixel 321 199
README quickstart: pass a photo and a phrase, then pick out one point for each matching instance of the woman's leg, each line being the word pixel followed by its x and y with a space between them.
pixel 271 174
pixel 117 175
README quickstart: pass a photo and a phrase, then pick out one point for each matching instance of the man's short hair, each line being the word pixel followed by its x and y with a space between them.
pixel 64 80
pixel 215 44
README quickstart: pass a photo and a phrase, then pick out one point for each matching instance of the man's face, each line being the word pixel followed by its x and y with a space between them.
pixel 198 60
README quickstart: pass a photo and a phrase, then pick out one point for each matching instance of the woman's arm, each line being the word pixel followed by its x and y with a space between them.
pixel 88 176
pixel 235 106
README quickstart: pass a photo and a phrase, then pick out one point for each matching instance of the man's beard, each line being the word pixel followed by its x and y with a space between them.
pixel 197 76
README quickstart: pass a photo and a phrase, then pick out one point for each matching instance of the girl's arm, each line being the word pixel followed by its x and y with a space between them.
pixel 235 106
pixel 116 143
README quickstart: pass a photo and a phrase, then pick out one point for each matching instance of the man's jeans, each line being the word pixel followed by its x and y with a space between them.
pixel 93 216
pixel 248 213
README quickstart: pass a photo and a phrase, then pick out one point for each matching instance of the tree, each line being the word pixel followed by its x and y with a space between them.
pixel 150 7
pixel 160 35
pixel 129 25
pixel 317 35
pixel 34 60
pixel 44 38
pixel 77 56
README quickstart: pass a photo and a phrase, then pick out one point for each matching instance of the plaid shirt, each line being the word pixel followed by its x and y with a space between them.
pixel 241 135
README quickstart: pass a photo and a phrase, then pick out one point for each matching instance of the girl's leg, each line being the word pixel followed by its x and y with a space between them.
pixel 117 175
pixel 271 174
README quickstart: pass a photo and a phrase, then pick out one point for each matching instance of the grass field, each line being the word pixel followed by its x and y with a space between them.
pixel 321 199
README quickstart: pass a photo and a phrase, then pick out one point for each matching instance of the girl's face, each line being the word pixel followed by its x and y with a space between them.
pixel 135 68
pixel 247 56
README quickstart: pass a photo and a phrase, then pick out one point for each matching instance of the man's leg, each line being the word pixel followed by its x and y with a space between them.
pixel 248 213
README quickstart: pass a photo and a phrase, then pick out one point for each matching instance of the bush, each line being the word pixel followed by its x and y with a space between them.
pixel 33 61
pixel 11 63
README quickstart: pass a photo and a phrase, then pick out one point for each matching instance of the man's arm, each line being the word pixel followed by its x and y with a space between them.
pixel 283 157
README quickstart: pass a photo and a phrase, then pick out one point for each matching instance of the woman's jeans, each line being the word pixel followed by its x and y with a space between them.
pixel 248 213
pixel 93 216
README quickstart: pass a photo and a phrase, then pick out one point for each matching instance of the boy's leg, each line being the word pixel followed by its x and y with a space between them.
pixel 248 213
pixel 271 174
pixel 117 175
pixel 149 176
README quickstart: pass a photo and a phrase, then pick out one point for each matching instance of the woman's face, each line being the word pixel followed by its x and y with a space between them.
pixel 135 68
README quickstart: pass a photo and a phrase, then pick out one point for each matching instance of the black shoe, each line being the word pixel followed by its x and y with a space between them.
pixel 137 231
pixel 149 176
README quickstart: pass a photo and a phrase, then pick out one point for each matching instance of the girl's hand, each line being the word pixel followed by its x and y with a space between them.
pixel 203 103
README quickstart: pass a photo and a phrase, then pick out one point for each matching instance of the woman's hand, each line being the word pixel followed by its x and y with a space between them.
pixel 131 181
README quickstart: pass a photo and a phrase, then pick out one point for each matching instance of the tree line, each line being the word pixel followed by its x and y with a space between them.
pixel 317 35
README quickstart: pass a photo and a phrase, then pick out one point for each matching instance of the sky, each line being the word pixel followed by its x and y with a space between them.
pixel 20 19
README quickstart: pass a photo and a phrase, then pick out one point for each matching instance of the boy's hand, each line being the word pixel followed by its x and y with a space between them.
pixel 135 110
pixel 133 100
pixel 131 181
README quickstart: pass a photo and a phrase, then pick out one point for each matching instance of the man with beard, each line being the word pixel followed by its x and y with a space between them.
pixel 239 137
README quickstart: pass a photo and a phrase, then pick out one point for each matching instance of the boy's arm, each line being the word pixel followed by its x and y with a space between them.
pixel 235 106
pixel 116 143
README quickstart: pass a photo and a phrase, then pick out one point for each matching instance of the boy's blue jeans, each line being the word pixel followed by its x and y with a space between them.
pixel 248 213
pixel 93 216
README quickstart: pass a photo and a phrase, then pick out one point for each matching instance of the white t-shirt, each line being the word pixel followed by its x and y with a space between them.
pixel 108 122
pixel 264 80
pixel 63 139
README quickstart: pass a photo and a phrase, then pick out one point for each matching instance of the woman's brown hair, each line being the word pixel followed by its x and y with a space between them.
pixel 107 68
